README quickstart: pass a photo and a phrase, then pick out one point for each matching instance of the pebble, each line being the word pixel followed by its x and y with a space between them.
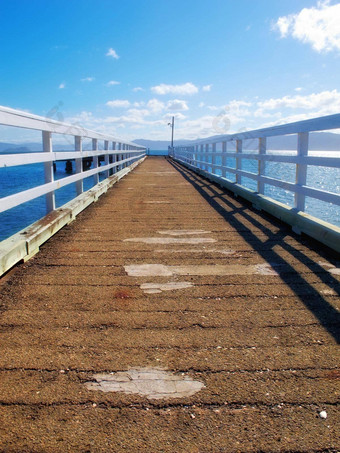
pixel 323 414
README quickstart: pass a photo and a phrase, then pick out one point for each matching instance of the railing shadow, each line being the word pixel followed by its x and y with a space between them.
pixel 219 199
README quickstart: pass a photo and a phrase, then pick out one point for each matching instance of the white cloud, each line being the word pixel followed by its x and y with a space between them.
pixel 178 116
pixel 136 89
pixel 201 104
pixel 112 53
pixel 139 104
pixel 62 86
pixel 206 87
pixel 177 104
pixel 298 89
pixel 118 103
pixel 112 83
pixel 318 26
pixel 87 79
pixel 150 117
pixel 324 102
pixel 155 105
pixel 214 108
pixel 186 88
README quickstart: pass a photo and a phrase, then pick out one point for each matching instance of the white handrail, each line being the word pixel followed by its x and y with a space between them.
pixel 201 157
pixel 118 155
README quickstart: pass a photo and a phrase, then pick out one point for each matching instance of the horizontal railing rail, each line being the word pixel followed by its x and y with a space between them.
pixel 118 154
pixel 108 160
pixel 211 157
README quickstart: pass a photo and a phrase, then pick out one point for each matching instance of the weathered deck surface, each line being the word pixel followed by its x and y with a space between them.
pixel 261 334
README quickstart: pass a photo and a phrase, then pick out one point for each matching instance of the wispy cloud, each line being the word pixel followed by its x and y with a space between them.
pixel 62 86
pixel 207 88
pixel 112 53
pixel 177 104
pixel 324 102
pixel 186 88
pixel 121 103
pixel 155 105
pixel 318 26
pixel 136 89
pixel 87 79
pixel 112 83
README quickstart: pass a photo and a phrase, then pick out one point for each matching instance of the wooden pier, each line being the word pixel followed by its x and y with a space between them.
pixel 167 271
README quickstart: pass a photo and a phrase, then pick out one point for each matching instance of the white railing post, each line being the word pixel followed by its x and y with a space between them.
pixel 79 164
pixel 261 164
pixel 119 156
pixel 95 160
pixel 49 173
pixel 213 159
pixel 106 157
pixel 206 157
pixel 301 170
pixel 124 154
pixel 238 161
pixel 224 159
pixel 201 157
pixel 114 157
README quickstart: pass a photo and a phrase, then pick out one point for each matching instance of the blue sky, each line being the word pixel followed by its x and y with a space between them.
pixel 125 67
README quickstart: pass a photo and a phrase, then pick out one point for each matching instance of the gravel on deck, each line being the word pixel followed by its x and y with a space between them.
pixel 216 327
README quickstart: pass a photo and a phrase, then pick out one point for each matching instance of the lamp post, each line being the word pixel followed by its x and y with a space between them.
pixel 172 125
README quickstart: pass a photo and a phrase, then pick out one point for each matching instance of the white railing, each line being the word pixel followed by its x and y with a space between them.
pixel 119 158
pixel 117 153
pixel 209 157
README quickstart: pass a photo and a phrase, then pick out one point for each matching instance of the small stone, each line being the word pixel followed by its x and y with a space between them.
pixel 94 405
pixel 62 371
pixel 323 414
pixel 192 416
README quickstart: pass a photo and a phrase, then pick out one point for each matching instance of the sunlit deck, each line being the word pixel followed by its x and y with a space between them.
pixel 166 270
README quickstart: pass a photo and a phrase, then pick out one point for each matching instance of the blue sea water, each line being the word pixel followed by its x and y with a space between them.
pixel 17 179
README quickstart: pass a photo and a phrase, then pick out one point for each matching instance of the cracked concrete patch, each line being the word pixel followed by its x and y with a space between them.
pixel 153 383
pixel 266 269
pixel 182 232
pixel 202 250
pixel 330 267
pixel 334 270
pixel 160 270
pixel 156 202
pixel 153 240
pixel 157 173
pixel 156 288
pixel 148 270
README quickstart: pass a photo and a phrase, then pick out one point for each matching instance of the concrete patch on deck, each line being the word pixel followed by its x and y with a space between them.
pixel 200 250
pixel 182 232
pixel 161 270
pixel 266 269
pixel 156 288
pixel 153 383
pixel 148 270
pixel 157 173
pixel 330 267
pixel 153 240
pixel 156 202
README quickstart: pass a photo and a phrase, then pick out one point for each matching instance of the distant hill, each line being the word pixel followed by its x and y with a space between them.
pixel 318 141
pixel 157 145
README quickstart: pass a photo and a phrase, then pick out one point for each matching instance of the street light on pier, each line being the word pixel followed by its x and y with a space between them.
pixel 172 125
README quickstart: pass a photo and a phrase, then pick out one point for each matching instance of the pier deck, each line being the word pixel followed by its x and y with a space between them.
pixel 168 271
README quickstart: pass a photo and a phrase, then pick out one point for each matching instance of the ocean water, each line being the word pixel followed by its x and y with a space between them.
pixel 17 179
